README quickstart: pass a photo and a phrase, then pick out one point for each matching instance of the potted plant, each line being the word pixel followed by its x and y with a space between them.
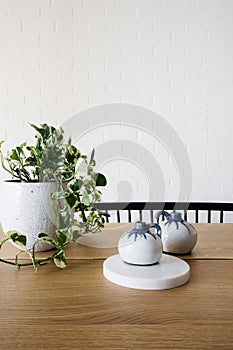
pixel 50 198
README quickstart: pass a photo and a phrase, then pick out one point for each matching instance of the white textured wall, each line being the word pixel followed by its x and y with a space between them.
pixel 59 57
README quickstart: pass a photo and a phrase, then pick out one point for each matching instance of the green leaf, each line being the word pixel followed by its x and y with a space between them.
pixel 92 155
pixel 47 239
pixel 71 200
pixel 20 149
pixel 85 198
pixel 60 260
pixel 63 220
pixel 60 195
pixel 14 155
pixel 72 155
pixel 76 235
pixel 21 240
pixel 101 180
pixel 17 238
pixel 41 131
pixel 42 234
pixel 61 237
pixel 31 161
pixel 68 174
pixel 81 167
pixel 9 233
pixel 25 173
pixel 92 161
pixel 75 185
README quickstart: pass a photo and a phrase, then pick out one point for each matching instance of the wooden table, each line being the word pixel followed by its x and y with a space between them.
pixel 77 308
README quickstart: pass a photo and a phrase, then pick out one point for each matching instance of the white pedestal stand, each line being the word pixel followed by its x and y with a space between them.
pixel 170 272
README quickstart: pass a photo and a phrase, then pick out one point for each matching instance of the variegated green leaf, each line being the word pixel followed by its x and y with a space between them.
pixel 85 197
pixel 48 240
pixel 17 238
pixel 60 260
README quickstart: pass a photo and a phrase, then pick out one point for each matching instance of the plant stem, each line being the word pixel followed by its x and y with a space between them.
pixel 3 165
pixel 13 263
pixel 81 209
pixel 40 262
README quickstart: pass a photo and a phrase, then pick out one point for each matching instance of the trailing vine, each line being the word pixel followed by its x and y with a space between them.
pixel 52 158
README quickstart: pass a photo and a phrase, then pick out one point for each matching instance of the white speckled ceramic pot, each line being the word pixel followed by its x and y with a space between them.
pixel 26 207
pixel 178 239
pixel 178 236
pixel 140 246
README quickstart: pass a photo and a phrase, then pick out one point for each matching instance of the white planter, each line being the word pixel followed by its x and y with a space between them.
pixel 26 207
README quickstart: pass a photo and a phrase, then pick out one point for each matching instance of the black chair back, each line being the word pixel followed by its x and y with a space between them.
pixel 185 207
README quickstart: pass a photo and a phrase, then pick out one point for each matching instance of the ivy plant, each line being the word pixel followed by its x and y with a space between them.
pixel 52 158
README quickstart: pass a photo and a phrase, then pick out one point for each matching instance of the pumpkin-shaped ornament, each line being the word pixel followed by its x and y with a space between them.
pixel 178 236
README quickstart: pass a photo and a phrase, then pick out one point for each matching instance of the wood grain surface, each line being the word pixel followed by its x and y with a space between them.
pixel 215 241
pixel 77 308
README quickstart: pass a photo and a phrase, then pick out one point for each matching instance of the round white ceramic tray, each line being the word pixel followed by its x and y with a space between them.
pixel 170 272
